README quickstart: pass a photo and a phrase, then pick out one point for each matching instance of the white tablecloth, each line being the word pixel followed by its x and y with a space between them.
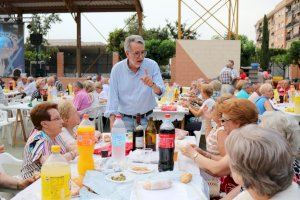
pixel 11 93
pixel 178 115
pixel 33 192
pixel 283 106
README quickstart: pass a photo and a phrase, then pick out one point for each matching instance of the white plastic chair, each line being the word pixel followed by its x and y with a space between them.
pixel 6 158
pixel 6 126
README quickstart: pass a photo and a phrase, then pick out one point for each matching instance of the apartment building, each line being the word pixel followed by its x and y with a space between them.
pixel 283 24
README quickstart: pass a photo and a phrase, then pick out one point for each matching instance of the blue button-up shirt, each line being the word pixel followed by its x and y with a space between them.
pixel 127 92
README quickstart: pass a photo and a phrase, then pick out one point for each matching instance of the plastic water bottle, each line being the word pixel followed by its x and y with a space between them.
pixel 118 138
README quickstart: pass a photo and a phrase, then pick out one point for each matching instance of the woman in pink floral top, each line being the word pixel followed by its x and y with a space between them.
pixel 48 124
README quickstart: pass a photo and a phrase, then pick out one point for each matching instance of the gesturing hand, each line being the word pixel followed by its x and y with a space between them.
pixel 147 80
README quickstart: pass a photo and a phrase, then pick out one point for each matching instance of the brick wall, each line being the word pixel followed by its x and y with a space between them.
pixel 60 64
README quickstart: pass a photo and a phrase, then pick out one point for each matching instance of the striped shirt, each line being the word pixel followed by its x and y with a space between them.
pixel 37 150
pixel 212 141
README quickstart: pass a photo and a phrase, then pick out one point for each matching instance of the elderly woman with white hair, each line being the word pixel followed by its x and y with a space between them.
pixel 262 103
pixel 260 160
pixel 289 128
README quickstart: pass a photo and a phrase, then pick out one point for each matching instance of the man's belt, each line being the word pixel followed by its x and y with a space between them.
pixel 142 115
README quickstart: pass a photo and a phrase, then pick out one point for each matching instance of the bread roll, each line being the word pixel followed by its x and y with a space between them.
pixel 157 185
pixel 186 178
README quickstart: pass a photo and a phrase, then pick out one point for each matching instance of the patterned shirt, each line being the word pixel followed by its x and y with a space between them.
pixel 227 75
pixel 37 150
pixel 36 95
pixel 59 86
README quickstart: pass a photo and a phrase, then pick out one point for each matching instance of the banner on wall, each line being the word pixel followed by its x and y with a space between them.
pixel 11 48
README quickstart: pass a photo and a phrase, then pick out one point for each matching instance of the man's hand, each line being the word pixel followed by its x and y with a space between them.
pixel 111 121
pixel 147 80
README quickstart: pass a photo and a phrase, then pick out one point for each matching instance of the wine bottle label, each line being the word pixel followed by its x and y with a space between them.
pixel 139 142
pixel 167 140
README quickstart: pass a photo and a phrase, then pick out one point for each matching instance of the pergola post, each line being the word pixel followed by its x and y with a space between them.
pixel 179 21
pixel 78 48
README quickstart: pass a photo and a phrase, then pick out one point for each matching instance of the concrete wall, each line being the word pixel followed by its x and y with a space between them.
pixel 203 59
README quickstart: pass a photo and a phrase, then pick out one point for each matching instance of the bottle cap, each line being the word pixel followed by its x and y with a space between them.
pixel 55 149
pixel 85 116
pixel 168 116
pixel 119 116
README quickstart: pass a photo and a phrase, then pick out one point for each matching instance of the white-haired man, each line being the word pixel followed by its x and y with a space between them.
pixel 134 83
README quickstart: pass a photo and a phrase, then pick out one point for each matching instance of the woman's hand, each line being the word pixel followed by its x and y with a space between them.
pixel 189 151
pixel 24 183
pixel 206 112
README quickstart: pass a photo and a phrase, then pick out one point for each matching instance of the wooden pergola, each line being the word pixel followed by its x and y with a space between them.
pixel 75 7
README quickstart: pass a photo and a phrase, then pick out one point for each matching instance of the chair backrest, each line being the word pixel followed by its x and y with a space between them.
pixel 6 158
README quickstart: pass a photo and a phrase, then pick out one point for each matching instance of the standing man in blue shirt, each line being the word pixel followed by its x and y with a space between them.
pixel 134 83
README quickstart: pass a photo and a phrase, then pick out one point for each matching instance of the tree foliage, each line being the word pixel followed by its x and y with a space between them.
pixel 41 23
pixel 265 57
pixel 159 42
pixel 247 50
pixel 294 53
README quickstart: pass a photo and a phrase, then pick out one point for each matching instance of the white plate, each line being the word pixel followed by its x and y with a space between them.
pixel 128 176
pixel 150 169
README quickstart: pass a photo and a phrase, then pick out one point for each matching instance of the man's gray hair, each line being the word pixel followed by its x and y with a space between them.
pixel 133 38
pixel 78 84
pixel 262 158
pixel 287 126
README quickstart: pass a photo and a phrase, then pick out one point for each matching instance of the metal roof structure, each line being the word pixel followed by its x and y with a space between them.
pixel 75 7
pixel 66 6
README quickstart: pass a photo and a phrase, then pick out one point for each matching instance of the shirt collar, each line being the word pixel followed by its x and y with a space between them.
pixel 129 70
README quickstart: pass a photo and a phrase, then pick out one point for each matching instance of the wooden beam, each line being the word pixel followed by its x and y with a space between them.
pixel 140 16
pixel 65 10
pixel 78 49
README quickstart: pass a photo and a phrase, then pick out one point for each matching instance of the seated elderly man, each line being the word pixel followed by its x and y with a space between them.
pixel 261 161
pixel 48 122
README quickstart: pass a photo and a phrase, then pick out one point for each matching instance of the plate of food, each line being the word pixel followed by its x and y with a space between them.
pixel 119 177
pixel 141 169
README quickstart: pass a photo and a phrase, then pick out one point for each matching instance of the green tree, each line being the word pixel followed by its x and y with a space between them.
pixel 186 33
pixel 294 53
pixel 40 23
pixel 281 60
pixel 160 50
pixel 116 42
pixel 265 58
pixel 247 50
pixel 158 41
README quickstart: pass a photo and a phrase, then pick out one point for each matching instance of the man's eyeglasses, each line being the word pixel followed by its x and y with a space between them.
pixel 223 120
pixel 138 54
